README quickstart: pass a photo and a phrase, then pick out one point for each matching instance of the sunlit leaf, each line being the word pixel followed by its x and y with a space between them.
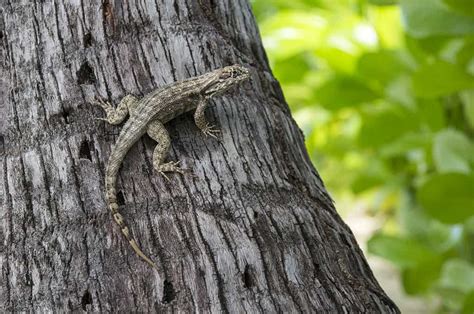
pixel 453 152
pixel 337 59
pixel 448 197
pixel 289 33
pixel 387 23
pixel 383 2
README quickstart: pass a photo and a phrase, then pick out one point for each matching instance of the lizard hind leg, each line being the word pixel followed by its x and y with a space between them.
pixel 116 115
pixel 157 131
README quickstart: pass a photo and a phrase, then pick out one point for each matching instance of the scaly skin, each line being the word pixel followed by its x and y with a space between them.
pixel 148 115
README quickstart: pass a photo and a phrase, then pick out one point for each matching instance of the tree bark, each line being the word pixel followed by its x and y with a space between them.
pixel 253 230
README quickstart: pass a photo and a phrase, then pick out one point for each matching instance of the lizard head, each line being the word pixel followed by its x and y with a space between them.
pixel 223 79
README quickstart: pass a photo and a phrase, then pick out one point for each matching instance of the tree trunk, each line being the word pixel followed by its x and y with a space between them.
pixel 253 230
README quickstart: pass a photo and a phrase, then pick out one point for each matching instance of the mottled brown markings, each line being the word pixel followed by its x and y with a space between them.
pixel 148 115
pixel 108 13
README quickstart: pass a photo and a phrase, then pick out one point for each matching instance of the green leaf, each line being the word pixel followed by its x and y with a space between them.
pixel 435 235
pixel 292 69
pixel 425 18
pixel 440 78
pixel 365 181
pixel 468 304
pixel 401 251
pixel 468 102
pixel 431 113
pixel 381 66
pixel 289 33
pixel 457 274
pixel 339 92
pixel 448 197
pixel 383 2
pixel 452 152
pixel 381 127
pixel 387 23
pixel 338 59
pixel 421 278
pixel 465 7
pixel 407 143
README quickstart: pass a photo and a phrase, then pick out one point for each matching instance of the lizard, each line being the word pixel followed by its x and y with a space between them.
pixel 148 115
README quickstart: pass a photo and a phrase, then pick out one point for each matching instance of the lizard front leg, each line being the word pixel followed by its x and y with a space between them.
pixel 200 119
pixel 157 131
pixel 116 115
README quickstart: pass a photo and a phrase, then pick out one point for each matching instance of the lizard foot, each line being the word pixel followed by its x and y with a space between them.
pixel 114 116
pixel 210 130
pixel 103 104
pixel 171 166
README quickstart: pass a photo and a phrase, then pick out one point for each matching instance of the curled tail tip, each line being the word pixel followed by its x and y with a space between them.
pixel 125 231
pixel 140 253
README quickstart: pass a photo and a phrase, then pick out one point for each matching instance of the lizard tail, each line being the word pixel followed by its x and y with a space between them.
pixel 113 205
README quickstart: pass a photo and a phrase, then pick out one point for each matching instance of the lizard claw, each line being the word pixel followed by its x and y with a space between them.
pixel 104 104
pixel 164 175
pixel 171 166
pixel 210 130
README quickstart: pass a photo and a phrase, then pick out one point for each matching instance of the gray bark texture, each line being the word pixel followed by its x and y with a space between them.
pixel 253 230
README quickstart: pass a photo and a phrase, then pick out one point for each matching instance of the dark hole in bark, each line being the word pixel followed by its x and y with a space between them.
pixel 247 277
pixel 85 151
pixel 255 214
pixel 85 74
pixel 176 8
pixel 66 114
pixel 168 292
pixel 87 40
pixel 120 198
pixel 1 35
pixel 2 144
pixel 86 300
pixel 344 240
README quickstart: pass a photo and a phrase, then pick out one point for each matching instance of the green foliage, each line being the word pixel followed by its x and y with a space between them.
pixel 384 92
pixel 447 197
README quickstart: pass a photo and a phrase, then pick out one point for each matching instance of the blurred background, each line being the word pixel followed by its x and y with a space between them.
pixel 384 93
